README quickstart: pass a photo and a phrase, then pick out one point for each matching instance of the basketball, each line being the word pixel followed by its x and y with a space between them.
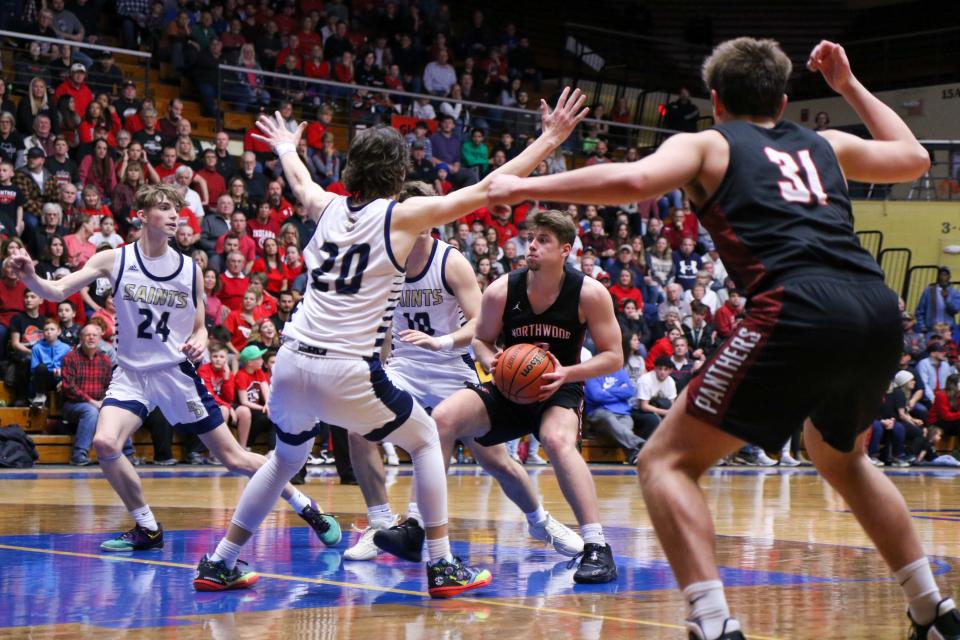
pixel 519 370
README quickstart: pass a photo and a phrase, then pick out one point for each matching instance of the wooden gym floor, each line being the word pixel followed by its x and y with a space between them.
pixel 796 564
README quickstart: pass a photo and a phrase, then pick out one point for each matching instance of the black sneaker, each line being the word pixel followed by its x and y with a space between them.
pixel 945 627
pixel 80 460
pixel 214 576
pixel 137 539
pixel 731 630
pixel 449 579
pixel 404 540
pixel 596 565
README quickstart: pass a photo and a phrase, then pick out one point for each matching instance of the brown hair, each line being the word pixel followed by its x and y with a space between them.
pixel 416 189
pixel 556 222
pixel 376 164
pixel 150 195
pixel 749 76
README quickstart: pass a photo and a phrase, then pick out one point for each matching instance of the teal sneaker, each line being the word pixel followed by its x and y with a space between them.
pixel 324 525
pixel 137 539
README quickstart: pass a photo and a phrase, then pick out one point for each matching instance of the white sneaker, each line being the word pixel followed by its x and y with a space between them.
pixel 764 460
pixel 38 400
pixel 536 460
pixel 786 460
pixel 311 460
pixel 564 539
pixel 393 461
pixel 364 549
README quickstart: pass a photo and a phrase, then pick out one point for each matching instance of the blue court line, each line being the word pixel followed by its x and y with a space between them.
pixel 129 591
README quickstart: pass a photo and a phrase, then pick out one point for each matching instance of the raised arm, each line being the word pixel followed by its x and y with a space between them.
pixel 676 163
pixel 416 214
pixel 284 143
pixel 98 266
pixel 894 155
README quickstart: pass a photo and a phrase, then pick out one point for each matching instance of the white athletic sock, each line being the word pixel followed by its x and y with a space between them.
pixel 299 501
pixel 379 516
pixel 413 511
pixel 593 533
pixel 388 448
pixel 708 606
pixel 916 580
pixel 228 552
pixel 144 518
pixel 439 548
pixel 538 515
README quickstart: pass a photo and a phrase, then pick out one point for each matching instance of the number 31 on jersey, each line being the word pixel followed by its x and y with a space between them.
pixel 794 189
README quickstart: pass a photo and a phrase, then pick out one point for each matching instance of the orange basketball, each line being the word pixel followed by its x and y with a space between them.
pixel 519 370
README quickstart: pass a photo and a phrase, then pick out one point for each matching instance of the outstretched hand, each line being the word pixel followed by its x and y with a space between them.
pixel 276 133
pixel 564 118
pixel 831 61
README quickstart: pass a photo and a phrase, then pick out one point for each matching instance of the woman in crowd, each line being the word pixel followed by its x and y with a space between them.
pixel 216 311
pixel 271 264
pixel 97 169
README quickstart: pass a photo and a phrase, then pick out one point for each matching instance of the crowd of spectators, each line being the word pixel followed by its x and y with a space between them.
pixel 67 185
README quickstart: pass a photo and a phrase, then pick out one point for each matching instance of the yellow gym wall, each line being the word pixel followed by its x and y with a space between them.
pixel 923 227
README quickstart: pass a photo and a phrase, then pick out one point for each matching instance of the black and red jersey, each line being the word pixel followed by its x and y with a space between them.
pixel 782 210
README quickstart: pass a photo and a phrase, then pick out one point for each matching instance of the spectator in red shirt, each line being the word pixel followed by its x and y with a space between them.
pixel 11 303
pixel 683 225
pixel 503 224
pixel 293 263
pixel 272 265
pixel 248 246
pixel 262 227
pixel 219 382
pixel 662 347
pixel 601 244
pixel 945 410
pixel 624 289
pixel 266 302
pixel 316 129
pixel 241 321
pixel 216 186
pixel 280 209
pixel 308 37
pixel 234 283
pixel 253 394
pixel 76 86
pixel 729 315
pixel 168 164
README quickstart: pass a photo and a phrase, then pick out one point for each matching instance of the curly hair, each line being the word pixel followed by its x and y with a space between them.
pixel 376 164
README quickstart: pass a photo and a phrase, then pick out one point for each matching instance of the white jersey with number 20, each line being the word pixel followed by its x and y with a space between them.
pixel 353 280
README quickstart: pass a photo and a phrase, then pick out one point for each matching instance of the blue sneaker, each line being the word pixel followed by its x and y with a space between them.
pixel 323 524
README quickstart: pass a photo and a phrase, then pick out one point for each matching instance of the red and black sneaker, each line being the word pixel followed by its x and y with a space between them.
pixel 448 579
pixel 214 576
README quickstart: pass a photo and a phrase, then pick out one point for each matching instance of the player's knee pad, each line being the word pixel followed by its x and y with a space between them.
pixel 417 432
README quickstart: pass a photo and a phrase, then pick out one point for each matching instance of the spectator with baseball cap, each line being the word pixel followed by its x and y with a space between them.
pixel 940 302
pixel 253 394
pixel 76 85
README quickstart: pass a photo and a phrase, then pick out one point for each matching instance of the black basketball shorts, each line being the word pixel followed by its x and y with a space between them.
pixel 509 420
pixel 823 348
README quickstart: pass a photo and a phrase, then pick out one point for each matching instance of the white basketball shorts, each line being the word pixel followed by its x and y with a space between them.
pixel 177 390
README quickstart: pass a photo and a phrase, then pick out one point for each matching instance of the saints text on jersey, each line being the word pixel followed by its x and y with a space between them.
pixel 421 297
pixel 159 296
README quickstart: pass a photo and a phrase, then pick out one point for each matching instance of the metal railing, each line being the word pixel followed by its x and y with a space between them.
pixel 918 278
pixel 376 106
pixel 20 50
pixel 872 241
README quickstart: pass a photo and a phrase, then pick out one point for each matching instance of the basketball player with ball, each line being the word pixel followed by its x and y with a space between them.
pixel 550 305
